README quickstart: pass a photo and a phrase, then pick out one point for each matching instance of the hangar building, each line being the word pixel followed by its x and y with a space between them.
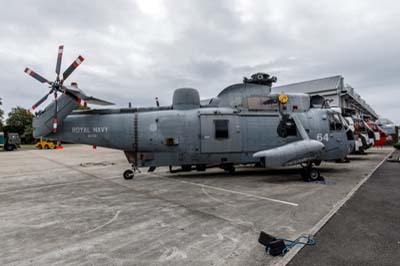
pixel 334 89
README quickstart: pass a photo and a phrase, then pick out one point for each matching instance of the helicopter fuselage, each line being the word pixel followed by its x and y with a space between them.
pixel 204 136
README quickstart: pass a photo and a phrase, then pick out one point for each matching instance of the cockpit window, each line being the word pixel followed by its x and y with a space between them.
pixel 335 122
pixel 257 103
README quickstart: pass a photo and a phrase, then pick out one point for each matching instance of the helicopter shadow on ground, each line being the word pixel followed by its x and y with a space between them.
pixel 273 176
pixel 373 152
pixel 359 158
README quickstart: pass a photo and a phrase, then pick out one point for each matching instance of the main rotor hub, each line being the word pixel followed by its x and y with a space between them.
pixel 261 79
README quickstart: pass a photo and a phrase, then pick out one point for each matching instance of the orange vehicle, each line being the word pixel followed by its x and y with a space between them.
pixel 380 136
pixel 45 144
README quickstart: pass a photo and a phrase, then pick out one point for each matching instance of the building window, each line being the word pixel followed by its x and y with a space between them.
pixel 221 129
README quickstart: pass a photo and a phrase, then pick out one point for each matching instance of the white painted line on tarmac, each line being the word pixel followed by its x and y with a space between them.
pixel 293 252
pixel 107 223
pixel 237 192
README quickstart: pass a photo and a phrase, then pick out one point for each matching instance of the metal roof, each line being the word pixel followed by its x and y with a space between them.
pixel 312 86
pixel 330 84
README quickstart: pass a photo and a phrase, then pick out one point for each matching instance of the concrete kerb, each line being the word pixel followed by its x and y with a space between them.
pixel 293 252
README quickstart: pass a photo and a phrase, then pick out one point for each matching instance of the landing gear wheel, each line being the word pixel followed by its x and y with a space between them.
pixel 128 174
pixel 310 174
pixel 230 169
pixel 314 174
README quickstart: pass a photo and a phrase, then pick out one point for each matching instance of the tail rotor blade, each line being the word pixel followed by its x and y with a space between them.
pixel 59 59
pixel 35 75
pixel 72 67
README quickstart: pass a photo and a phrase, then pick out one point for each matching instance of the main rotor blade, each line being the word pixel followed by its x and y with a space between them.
pixel 66 91
pixel 55 120
pixel 41 100
pixel 97 101
pixel 80 97
pixel 36 76
pixel 59 58
pixel 72 67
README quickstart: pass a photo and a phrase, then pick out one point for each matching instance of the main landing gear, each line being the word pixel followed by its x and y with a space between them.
pixel 309 173
pixel 228 168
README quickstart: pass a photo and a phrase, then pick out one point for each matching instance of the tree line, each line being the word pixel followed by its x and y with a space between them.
pixel 19 121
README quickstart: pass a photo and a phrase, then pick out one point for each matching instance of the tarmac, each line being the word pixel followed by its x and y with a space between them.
pixel 366 230
pixel 72 207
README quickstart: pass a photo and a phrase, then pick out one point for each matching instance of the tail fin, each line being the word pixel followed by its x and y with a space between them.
pixel 43 122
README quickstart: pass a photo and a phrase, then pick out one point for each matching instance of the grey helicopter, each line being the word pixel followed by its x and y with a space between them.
pixel 245 124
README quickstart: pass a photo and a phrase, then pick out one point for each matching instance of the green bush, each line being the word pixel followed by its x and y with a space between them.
pixel 397 146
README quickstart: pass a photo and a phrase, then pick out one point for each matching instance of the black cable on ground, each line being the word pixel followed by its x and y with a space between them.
pixel 280 246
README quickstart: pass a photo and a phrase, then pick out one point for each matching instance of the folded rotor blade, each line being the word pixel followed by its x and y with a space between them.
pixel 59 59
pixel 55 124
pixel 36 76
pixel 55 120
pixel 97 101
pixel 70 88
pixel 41 100
pixel 80 97
pixel 66 91
pixel 72 67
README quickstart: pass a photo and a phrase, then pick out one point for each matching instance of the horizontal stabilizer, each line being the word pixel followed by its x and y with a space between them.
pixel 293 153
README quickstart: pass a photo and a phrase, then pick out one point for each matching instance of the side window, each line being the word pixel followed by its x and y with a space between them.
pixel 221 129
pixel 335 123
pixel 331 123
pixel 338 122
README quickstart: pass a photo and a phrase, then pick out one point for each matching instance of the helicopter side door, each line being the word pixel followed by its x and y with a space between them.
pixel 220 134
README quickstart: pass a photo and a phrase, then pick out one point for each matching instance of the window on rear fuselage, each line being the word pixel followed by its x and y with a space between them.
pixel 221 129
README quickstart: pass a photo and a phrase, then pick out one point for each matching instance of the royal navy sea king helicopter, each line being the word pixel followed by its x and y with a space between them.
pixel 244 124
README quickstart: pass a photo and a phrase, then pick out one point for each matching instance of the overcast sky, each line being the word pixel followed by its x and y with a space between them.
pixel 137 50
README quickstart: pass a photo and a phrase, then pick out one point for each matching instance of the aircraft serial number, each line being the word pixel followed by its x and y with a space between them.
pixel 322 137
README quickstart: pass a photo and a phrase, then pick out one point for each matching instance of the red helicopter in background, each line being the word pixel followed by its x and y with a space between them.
pixel 380 136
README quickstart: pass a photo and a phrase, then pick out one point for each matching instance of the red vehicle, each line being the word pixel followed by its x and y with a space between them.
pixel 380 136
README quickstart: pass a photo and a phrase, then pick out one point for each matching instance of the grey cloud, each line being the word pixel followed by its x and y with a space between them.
pixel 134 55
